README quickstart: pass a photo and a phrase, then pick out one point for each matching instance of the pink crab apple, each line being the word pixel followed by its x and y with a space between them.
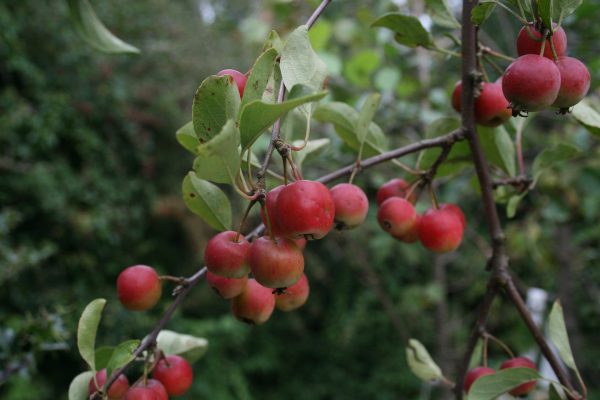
pixel 475 374
pixel 226 255
pixel 175 373
pixel 412 235
pixel 227 288
pixel 276 263
pixel 305 209
pixel 520 362
pixel 351 205
pixel 441 230
pixel 574 82
pixel 158 389
pixel 239 78
pixel 491 107
pixel 397 216
pixel 255 305
pixel 396 187
pixel 138 287
pixel 270 210
pixel 531 83
pixel 116 391
pixel 528 45
pixel 294 296
pixel 140 393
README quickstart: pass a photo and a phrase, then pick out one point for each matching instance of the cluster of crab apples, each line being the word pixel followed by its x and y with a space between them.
pixel 516 362
pixel 536 80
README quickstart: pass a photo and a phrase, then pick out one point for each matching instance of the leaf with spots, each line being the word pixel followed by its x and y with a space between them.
pixel 259 76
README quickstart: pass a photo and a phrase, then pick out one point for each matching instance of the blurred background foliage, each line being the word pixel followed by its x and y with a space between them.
pixel 90 178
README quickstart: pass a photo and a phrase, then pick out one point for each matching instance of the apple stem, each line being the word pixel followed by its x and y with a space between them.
pixel 239 231
pixel 485 351
pixel 499 342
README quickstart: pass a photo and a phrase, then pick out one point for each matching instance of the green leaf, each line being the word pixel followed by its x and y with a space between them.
pixel 207 201
pixel 587 116
pixel 482 12
pixel 257 116
pixel 365 117
pixel 489 387
pixel 121 355
pixel 273 42
pixel 216 101
pixel 408 29
pixel 78 389
pixel 219 159
pixel 361 66
pixel 550 157
pixel 499 148
pixel 441 14
pixel 259 76
pixel 420 362
pixel 86 331
pixel 319 34
pixel 102 356
pixel 554 393
pixel 345 120
pixel 313 147
pixel 299 63
pixel 564 8
pixel 91 29
pixel 545 11
pixel 187 138
pixel 476 355
pixel 513 203
pixel 189 347
pixel 559 336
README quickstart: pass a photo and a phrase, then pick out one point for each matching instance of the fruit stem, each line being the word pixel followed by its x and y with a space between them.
pixel 176 279
pixel 433 196
pixel 239 231
pixel 500 343
pixel 494 65
pixel 265 211
pixel 445 51
pixel 517 16
pixel 543 46
pixel 553 49
pixel 354 170
pixel 249 167
pixel 494 53
pixel 407 168
pixel 485 351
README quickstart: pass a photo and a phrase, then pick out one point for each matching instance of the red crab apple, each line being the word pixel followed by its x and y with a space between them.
pixel 294 296
pixel 456 210
pixel 239 78
pixel 520 362
pixel 158 389
pixel 351 205
pixel 227 257
pixel 397 216
pixel 491 107
pixel 175 373
pixel 305 209
pixel 138 287
pixel 140 393
pixel 441 230
pixel 531 83
pixel 574 82
pixel 528 45
pixel 270 210
pixel 412 235
pixel 475 374
pixel 227 288
pixel 396 187
pixel 116 391
pixel 276 263
pixel 255 305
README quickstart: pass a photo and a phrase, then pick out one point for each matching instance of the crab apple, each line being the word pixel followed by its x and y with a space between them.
pixel 412 235
pixel 351 205
pixel 116 391
pixel 528 45
pixel 138 287
pixel 140 393
pixel 301 243
pixel 491 107
pixel 475 374
pixel 397 216
pixel 574 82
pixel 276 263
pixel 239 78
pixel 455 209
pixel 440 231
pixel 226 255
pixel 158 389
pixel 227 288
pixel 305 209
pixel 520 362
pixel 294 296
pixel 255 305
pixel 531 83
pixel 175 373
pixel 269 209
pixel 396 187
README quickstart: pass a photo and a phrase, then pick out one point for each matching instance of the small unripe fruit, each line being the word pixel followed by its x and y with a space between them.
pixel 277 263
pixel 475 374
pixel 520 362
pixel 527 45
pixel 351 205
pixel 227 257
pixel 531 83
pixel 305 209
pixel 440 231
pixel 491 107
pixel 227 288
pixel 574 82
pixel 271 207
pixel 255 305
pixel 393 188
pixel 141 393
pixel 239 78
pixel 138 287
pixel 397 216
pixel 175 373
pixel 294 296
pixel 116 391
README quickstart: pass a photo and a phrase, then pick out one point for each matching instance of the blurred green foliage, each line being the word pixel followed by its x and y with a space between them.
pixel 90 177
